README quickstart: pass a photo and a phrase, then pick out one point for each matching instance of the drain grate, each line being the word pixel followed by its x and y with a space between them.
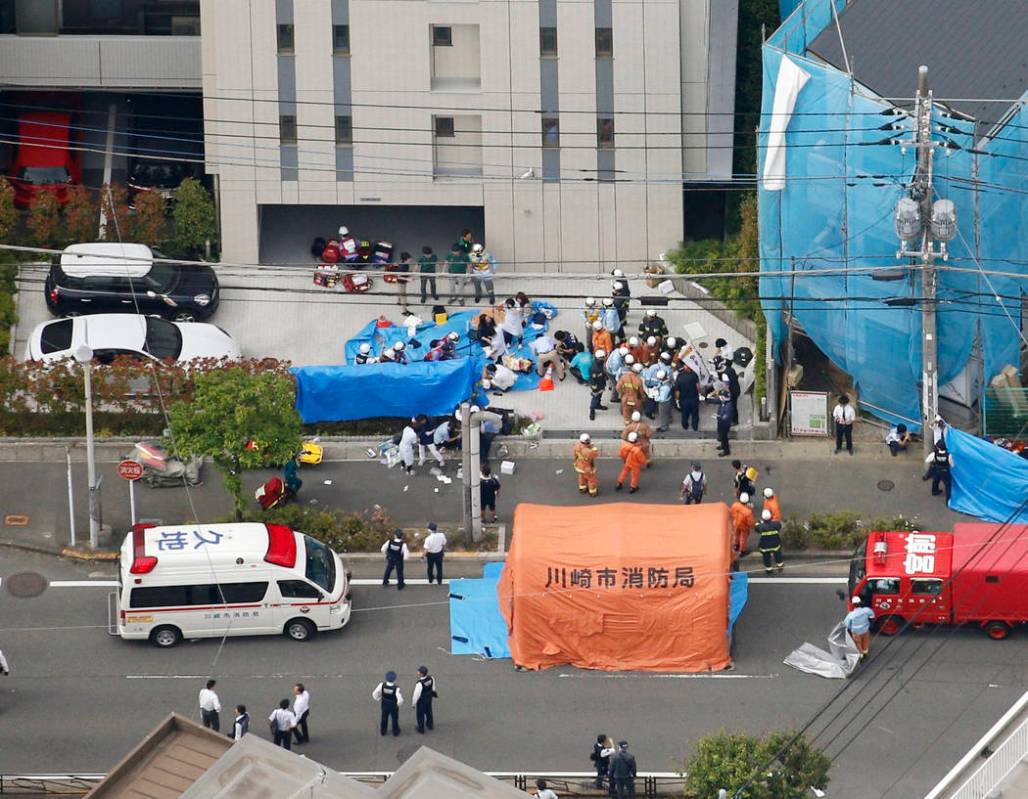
pixel 25 585
pixel 886 485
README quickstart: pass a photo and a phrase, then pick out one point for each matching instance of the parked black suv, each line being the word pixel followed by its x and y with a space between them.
pixel 112 278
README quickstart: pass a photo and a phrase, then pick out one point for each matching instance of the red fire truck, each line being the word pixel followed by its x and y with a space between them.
pixel 978 574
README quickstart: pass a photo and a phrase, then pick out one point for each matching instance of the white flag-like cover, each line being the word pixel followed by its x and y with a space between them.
pixel 791 79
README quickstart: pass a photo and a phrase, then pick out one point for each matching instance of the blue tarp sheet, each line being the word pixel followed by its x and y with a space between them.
pixel 476 626
pixel 737 595
pixel 988 482
pixel 344 393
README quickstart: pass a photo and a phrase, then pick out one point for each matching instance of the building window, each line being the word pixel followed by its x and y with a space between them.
pixel 442 36
pixel 285 38
pixel 605 132
pixel 344 130
pixel 341 39
pixel 551 132
pixel 444 128
pixel 287 129
pixel 604 42
pixel 548 42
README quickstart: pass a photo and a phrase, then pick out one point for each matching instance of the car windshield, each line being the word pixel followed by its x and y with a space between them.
pixel 162 277
pixel 56 336
pixel 321 564
pixel 45 175
pixel 163 339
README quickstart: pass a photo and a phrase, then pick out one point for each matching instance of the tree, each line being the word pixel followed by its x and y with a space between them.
pixel 773 767
pixel 81 216
pixel 44 219
pixel 149 222
pixel 194 216
pixel 8 213
pixel 118 224
pixel 241 421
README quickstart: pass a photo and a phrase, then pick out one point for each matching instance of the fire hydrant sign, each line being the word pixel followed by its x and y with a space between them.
pixel 130 470
pixel 809 413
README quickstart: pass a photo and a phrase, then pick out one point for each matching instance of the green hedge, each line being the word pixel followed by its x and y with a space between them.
pixel 8 313
pixel 839 530
pixel 343 531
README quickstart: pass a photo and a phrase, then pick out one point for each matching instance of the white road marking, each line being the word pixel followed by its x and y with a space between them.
pixel 84 584
pixel 800 580
pixel 718 676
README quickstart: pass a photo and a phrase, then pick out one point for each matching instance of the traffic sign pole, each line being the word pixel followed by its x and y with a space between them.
pixel 131 470
pixel 132 501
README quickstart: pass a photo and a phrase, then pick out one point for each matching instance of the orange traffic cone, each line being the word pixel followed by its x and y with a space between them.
pixel 546 384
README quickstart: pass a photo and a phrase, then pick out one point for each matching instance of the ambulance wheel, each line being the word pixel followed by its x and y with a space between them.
pixel 166 636
pixel 890 625
pixel 300 630
pixel 997 630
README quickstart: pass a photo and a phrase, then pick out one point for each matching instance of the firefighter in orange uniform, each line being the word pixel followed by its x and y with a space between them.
pixel 631 390
pixel 601 339
pixel 643 430
pixel 585 455
pixel 742 522
pixel 771 504
pixel 633 456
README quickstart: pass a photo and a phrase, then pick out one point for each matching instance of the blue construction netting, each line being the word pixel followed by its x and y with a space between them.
pixel 832 222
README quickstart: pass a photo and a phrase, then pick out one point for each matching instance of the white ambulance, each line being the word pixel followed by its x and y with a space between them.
pixel 210 580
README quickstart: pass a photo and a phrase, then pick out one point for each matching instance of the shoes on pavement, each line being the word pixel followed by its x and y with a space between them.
pixel 618 487
pixel 602 408
pixel 837 451
pixel 633 489
pixel 592 415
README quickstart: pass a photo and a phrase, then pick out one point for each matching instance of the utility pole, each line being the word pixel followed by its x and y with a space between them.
pixel 920 222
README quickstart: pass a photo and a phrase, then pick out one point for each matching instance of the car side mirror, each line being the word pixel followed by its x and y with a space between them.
pixel 841 594
pixel 151 294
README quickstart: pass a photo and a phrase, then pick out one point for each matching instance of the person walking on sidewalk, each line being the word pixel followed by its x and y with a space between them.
pixel 770 544
pixel 421 701
pixel 483 270
pixel 940 465
pixel 457 268
pixel 489 488
pixel 301 709
pixel 694 486
pixel 210 707
pixel 434 550
pixel 585 455
pixel 844 417
pixel 635 459
pixel 387 694
pixel 427 265
pixel 858 625
pixel 742 522
pixel 771 504
pixel 282 723
pixel 396 552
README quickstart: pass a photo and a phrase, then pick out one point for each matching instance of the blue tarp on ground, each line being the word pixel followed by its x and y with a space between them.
pixel 476 626
pixel 988 482
pixel 345 393
pixel 737 596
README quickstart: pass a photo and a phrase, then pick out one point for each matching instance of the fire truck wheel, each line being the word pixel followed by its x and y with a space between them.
pixel 997 630
pixel 890 625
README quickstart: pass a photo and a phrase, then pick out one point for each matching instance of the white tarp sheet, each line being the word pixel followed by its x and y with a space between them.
pixel 791 79
pixel 838 663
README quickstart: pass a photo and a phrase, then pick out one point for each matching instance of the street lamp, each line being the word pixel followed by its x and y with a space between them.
pixel 84 355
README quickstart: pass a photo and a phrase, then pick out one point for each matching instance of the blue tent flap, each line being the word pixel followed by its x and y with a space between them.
pixel 476 626
pixel 988 481
pixel 737 595
pixel 344 393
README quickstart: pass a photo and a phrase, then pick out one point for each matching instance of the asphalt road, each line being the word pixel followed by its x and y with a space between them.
pixel 79 699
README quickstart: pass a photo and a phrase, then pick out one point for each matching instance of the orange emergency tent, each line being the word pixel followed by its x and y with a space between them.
pixel 618 587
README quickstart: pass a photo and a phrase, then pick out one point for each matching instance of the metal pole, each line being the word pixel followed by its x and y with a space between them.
pixel 465 451
pixel 71 498
pixel 112 118
pixel 476 480
pixel 132 501
pixel 929 342
pixel 94 500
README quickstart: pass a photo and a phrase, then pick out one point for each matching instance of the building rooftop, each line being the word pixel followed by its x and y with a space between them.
pixel 974 52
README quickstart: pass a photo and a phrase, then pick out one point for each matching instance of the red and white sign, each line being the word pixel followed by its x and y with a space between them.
pixel 130 470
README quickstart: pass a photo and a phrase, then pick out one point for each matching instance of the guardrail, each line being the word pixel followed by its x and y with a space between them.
pixel 650 785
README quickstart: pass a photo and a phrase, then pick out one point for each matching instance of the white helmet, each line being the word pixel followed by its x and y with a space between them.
pixel 458 415
pixel 365 348
pixel 633 341
pixel 633 436
pixel 651 341
pixel 855 600
pixel 399 346
pixel 618 285
pixel 650 313
pixel 477 248
pixel 636 416
pixel 453 335
pixel 766 515
pixel 744 498
pixel 600 353
pixel 344 230
pixel 590 302
pixel 584 438
pixel 671 343
pixel 661 374
pixel 618 273
pixel 474 409
pixel 637 367
pixel 665 356
pixel 597 325
pixel 623 350
pixel 607 302
pixel 768 492
pixel 629 359
pixel 487 384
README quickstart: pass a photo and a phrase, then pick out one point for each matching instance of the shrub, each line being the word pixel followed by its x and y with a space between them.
pixel 8 213
pixel 343 531
pixel 840 530
pixel 81 215
pixel 44 219
pixel 119 224
pixel 195 222
pixel 150 220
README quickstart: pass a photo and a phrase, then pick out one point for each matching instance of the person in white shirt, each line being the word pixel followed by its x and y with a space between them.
pixel 241 726
pixel 435 548
pixel 897 438
pixel 543 792
pixel 396 552
pixel 387 693
pixel 4 668
pixel 844 416
pixel 408 441
pixel 498 377
pixel 424 693
pixel 282 723
pixel 210 706
pixel 546 355
pixel 301 709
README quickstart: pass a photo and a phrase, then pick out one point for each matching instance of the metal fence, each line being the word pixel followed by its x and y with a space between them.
pixel 997 768
pixel 1005 413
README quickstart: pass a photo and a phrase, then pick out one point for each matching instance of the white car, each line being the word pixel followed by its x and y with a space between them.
pixel 110 335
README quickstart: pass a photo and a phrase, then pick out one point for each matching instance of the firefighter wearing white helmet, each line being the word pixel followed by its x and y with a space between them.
pixel 770 544
pixel 597 382
pixel 396 354
pixel 742 523
pixel 347 245
pixel 634 460
pixel 584 457
pixel 621 293
pixel 590 314
pixel 643 432
pixel 660 395
pixel 771 504
pixel 364 355
pixel 653 325
pixel 630 388
pixel 611 319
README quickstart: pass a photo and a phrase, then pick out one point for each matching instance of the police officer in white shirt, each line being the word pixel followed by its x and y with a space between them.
pixel 435 547
pixel 844 416
pixel 210 706
pixel 387 693
pixel 424 693
pixel 282 723
pixel 396 552
pixel 241 726
pixel 301 709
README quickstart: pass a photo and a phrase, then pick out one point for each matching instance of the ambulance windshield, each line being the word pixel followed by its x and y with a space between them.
pixel 321 565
